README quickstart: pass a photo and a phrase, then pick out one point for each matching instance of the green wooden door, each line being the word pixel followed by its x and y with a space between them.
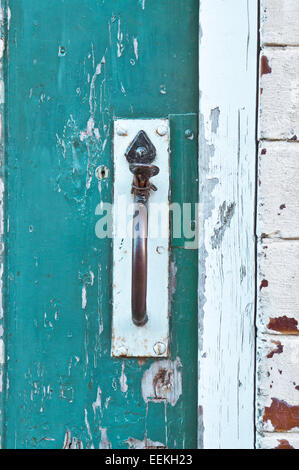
pixel 71 67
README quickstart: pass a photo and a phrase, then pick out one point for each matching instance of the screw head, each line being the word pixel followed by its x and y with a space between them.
pixel 159 348
pixel 162 130
pixel 121 132
pixel 189 134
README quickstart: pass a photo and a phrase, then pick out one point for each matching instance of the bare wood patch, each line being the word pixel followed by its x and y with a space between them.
pixel 163 381
pixel 145 444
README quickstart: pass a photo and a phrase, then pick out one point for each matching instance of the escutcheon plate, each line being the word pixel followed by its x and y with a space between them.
pixel 152 339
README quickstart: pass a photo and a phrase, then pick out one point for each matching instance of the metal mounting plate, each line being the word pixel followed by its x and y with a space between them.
pixel 150 340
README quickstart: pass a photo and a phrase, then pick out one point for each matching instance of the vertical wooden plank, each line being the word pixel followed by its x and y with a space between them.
pixel 227 155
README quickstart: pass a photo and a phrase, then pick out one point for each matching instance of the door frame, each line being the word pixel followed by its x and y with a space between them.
pixel 228 51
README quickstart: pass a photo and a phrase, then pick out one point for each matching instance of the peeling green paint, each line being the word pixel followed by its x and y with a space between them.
pixel 72 67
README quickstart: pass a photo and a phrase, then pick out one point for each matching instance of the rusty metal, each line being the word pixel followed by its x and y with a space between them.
pixel 140 155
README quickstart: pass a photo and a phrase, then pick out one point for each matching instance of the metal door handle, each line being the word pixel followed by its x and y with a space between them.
pixel 140 155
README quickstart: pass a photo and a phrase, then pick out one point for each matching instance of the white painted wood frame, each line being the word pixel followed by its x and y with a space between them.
pixel 227 168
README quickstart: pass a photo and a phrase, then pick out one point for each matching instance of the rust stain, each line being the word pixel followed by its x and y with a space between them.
pixel 264 283
pixel 264 151
pixel 278 350
pixel 284 444
pixel 162 380
pixel 282 416
pixel 283 324
pixel 265 67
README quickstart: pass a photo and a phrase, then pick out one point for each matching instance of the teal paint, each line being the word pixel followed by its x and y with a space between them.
pixel 72 67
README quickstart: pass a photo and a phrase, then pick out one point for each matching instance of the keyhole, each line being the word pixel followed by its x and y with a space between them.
pixel 102 172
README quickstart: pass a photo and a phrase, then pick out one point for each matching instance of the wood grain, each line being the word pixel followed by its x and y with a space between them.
pixel 279 25
pixel 228 68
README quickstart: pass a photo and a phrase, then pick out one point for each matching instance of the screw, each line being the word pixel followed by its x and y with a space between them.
pixel 140 152
pixel 121 132
pixel 189 134
pixel 159 348
pixel 61 51
pixel 162 130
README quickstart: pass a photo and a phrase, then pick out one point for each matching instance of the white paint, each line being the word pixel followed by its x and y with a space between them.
pixel 105 443
pixel 71 442
pixel 142 3
pixel 145 444
pixel 163 381
pixel 128 339
pixel 279 100
pixel 97 72
pixel 227 154
pixel 120 37
pixel 2 45
pixel 278 208
pixel 273 440
pixel 279 25
pixel 277 372
pixel 135 42
pixel 1 351
pixel 278 263
pixel 84 297
pixel 123 379
pixel 97 405
pixel 88 428
pixel 278 229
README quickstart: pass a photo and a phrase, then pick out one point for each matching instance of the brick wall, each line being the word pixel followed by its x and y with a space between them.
pixel 278 228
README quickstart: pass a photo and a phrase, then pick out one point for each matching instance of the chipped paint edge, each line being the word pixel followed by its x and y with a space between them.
pixel 227 134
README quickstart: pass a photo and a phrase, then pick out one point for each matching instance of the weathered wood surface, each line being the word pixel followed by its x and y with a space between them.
pixel 228 68
pixel 278 229
pixel 72 68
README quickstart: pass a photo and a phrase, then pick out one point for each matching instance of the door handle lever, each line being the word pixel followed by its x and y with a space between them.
pixel 140 155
